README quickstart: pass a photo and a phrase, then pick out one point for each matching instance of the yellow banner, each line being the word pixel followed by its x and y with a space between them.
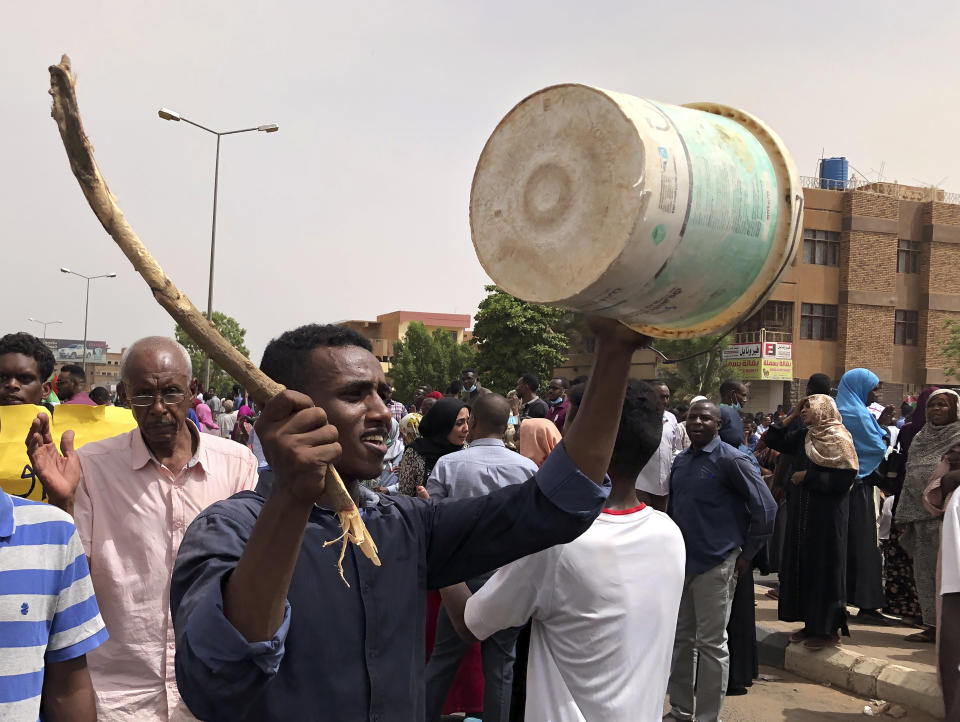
pixel 89 423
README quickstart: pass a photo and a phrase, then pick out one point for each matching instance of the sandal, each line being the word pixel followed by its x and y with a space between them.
pixel 820 642
pixel 928 635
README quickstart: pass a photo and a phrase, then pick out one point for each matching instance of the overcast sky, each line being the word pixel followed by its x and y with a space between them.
pixel 359 205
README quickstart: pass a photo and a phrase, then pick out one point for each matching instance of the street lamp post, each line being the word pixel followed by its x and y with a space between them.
pixel 44 324
pixel 168 114
pixel 86 308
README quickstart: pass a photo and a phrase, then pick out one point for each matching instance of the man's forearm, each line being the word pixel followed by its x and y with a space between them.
pixel 455 603
pixel 254 598
pixel 589 443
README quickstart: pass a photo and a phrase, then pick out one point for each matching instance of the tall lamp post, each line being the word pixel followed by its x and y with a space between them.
pixel 86 309
pixel 44 324
pixel 168 114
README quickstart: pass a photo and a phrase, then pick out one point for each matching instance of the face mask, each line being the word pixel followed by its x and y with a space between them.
pixel 558 401
pixel 471 389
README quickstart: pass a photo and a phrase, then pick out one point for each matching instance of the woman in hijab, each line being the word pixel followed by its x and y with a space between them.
pixel 442 431
pixel 812 571
pixel 410 427
pixel 205 417
pixel 856 391
pixel 536 439
pixel 920 530
pixel 900 588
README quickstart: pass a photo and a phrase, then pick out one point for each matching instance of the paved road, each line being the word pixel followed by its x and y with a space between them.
pixel 793 699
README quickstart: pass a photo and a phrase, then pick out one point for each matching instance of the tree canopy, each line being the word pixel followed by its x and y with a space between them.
pixel 234 333
pixel 951 349
pixel 700 375
pixel 515 337
pixel 424 358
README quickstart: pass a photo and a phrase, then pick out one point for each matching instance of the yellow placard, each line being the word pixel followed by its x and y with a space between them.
pixel 89 423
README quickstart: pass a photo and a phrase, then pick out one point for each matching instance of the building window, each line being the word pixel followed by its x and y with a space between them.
pixel 818 321
pixel 774 316
pixel 821 248
pixel 908 257
pixel 905 328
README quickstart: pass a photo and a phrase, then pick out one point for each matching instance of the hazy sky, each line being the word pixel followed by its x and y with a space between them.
pixel 359 205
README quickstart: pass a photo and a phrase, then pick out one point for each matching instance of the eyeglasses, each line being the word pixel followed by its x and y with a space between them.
pixel 171 398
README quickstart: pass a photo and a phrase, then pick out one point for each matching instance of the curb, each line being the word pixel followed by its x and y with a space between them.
pixel 865 676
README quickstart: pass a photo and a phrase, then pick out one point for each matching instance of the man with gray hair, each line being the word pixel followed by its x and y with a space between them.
pixel 133 497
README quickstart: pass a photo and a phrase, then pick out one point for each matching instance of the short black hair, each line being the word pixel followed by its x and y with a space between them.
pixel 563 382
pixel 531 380
pixel 455 387
pixel 74 370
pixel 286 357
pixel 100 396
pixel 469 371
pixel 641 427
pixel 731 384
pixel 575 394
pixel 29 345
pixel 819 384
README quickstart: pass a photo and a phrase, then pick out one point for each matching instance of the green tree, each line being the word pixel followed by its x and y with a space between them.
pixel 234 333
pixel 421 358
pixel 699 375
pixel 951 349
pixel 515 337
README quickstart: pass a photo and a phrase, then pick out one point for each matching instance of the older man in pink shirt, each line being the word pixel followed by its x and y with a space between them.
pixel 133 497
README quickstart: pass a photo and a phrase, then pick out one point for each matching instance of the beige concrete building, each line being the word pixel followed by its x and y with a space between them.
pixel 392 327
pixel 873 286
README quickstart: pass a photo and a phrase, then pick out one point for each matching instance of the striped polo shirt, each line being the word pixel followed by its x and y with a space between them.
pixel 48 612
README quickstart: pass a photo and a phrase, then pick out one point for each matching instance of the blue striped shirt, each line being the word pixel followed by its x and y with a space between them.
pixel 48 612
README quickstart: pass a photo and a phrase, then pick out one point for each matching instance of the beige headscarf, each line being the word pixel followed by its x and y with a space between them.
pixel 828 442
pixel 536 439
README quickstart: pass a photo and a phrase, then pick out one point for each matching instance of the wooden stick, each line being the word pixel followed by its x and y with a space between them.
pixel 66 113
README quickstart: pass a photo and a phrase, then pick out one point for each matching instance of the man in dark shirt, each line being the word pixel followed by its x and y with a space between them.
pixel 558 401
pixel 733 395
pixel 726 514
pixel 267 630
pixel 532 406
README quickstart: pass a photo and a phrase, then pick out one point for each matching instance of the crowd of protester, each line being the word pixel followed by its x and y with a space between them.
pixel 178 570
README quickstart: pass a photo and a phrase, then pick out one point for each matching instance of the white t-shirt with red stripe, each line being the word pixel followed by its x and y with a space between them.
pixel 950 547
pixel 604 611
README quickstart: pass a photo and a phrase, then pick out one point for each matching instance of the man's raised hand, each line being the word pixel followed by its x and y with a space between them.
pixel 58 471
pixel 299 444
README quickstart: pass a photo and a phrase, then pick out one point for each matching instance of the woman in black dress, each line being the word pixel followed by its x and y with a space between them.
pixel 813 567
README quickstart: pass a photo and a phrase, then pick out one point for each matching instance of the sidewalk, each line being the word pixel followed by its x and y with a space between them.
pixel 874 662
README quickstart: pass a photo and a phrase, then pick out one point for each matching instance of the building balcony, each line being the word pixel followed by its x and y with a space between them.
pixel 762 335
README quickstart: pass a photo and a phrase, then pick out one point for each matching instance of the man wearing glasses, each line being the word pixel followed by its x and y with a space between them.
pixel 133 497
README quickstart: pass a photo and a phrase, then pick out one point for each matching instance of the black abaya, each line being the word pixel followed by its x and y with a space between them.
pixel 813 570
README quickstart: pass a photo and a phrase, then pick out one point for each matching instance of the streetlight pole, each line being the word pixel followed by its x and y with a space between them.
pixel 44 324
pixel 168 114
pixel 86 308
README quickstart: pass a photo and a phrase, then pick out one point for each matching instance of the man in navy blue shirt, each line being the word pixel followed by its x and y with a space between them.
pixel 726 514
pixel 267 630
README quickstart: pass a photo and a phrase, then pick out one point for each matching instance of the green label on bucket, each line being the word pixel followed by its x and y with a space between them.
pixel 659 233
pixel 730 222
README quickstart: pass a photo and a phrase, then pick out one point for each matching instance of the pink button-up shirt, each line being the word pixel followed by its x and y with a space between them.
pixel 131 513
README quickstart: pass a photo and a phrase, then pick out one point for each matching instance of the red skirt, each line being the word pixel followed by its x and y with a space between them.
pixel 466 693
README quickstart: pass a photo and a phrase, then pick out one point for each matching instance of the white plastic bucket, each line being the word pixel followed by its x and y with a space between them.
pixel 679 221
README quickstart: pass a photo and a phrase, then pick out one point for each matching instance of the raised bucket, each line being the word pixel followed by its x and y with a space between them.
pixel 679 221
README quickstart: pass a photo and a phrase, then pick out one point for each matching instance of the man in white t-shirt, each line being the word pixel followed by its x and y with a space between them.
pixel 653 481
pixel 948 625
pixel 604 606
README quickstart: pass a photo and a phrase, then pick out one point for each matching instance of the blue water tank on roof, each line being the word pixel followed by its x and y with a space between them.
pixel 834 173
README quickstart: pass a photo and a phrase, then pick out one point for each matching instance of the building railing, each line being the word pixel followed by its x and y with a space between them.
pixel 763 335
pixel 884 188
